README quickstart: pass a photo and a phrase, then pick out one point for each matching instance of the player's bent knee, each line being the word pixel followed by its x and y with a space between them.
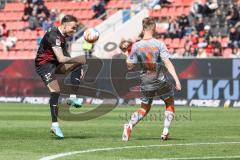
pixel 53 86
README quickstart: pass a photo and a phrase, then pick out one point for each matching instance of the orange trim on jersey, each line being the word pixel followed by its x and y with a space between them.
pixel 149 57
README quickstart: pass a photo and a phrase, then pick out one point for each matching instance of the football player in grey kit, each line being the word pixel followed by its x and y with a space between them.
pixel 153 57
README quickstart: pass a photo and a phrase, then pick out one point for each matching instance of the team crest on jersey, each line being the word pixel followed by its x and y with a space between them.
pixel 58 42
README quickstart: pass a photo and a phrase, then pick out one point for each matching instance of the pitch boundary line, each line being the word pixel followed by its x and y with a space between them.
pixel 60 155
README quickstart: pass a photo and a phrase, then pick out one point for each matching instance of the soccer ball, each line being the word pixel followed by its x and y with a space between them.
pixel 91 35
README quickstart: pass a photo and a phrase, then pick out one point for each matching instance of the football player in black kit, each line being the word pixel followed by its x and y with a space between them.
pixel 52 56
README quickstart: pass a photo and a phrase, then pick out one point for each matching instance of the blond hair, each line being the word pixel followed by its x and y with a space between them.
pixel 149 23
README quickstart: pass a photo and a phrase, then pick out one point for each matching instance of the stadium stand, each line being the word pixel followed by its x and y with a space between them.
pixel 26 44
pixel 218 17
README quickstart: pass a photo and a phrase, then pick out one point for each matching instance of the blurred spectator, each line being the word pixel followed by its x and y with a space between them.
pixel 202 43
pixel 33 22
pixel 5 31
pixel 99 9
pixel 9 42
pixel 201 53
pixel 42 12
pixel 207 34
pixel 53 15
pixel 173 28
pixel 38 38
pixel 217 47
pixel 88 48
pixel 234 37
pixel 46 24
pixel 190 51
pixel 196 10
pixel 210 7
pixel 183 23
pixel 232 16
pixel 28 8
pixel 199 25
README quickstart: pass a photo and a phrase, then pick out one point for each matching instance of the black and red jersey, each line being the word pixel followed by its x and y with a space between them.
pixel 53 37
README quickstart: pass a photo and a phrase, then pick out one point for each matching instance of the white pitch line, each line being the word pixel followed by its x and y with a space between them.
pixel 189 158
pixel 53 157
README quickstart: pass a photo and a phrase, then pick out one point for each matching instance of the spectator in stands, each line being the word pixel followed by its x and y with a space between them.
pixel 28 8
pixel 199 25
pixel 202 43
pixel 173 28
pixel 99 9
pixel 42 13
pixel 207 34
pixel 183 24
pixel 217 47
pixel 232 16
pixel 196 10
pixel 210 7
pixel 46 24
pixel 234 38
pixel 9 42
pixel 38 38
pixel 201 53
pixel 5 31
pixel 53 15
pixel 190 51
pixel 33 22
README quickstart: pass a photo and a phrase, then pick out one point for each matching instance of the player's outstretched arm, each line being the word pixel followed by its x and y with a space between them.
pixel 173 73
pixel 64 59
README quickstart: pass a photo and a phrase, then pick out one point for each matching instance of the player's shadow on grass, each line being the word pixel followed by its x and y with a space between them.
pixel 158 138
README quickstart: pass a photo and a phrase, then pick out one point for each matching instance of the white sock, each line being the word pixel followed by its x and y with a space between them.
pixel 135 118
pixel 167 121
pixel 55 124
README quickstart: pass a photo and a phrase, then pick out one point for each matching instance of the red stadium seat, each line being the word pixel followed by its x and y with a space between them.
pixel 175 43
pixel 168 41
pixel 14 7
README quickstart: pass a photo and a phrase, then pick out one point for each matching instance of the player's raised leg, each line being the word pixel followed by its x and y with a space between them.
pixel 169 115
pixel 136 117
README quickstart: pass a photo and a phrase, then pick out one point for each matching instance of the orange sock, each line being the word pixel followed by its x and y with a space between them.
pixel 169 102
pixel 169 114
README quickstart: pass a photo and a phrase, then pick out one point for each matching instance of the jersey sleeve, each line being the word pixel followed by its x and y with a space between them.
pixel 54 39
pixel 132 58
pixel 164 51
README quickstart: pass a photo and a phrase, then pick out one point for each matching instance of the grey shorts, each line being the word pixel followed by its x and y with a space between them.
pixel 164 91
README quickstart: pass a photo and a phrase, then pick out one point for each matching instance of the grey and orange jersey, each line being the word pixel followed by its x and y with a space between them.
pixel 148 51
pixel 149 54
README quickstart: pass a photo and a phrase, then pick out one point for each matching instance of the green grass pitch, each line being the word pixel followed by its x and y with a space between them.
pixel 24 134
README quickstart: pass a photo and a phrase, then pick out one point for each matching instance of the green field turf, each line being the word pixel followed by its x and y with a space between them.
pixel 196 132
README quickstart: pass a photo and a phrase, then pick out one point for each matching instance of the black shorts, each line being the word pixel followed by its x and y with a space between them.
pixel 47 72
